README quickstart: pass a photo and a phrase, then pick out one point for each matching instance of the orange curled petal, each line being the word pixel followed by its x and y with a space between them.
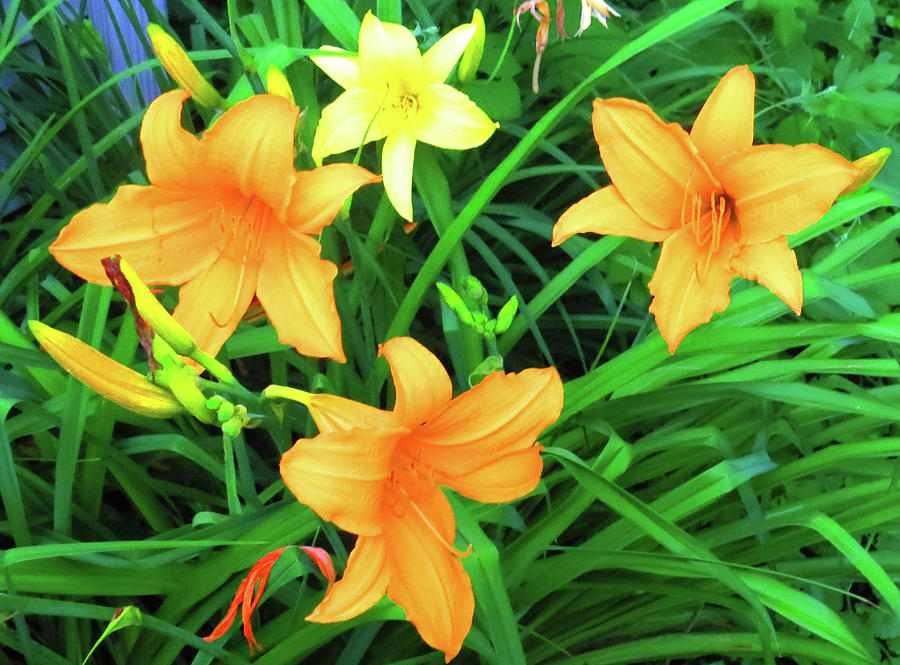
pixel 296 290
pixel 781 189
pixel 650 162
pixel 725 123
pixel 169 150
pixel 248 595
pixel 341 475
pixel 164 235
pixel 251 147
pixel 774 265
pixel 468 442
pixel 683 296
pixel 605 211
pixel 323 562
pixel 426 577
pixel 319 194
pixel 420 380
pixel 363 584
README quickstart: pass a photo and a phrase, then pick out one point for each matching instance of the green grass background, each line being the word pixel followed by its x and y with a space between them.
pixel 737 502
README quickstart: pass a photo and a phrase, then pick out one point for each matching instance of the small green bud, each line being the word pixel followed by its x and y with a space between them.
pixel 455 303
pixel 506 315
pixel 475 290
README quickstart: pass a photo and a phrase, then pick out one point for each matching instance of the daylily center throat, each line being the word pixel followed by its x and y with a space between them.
pixel 409 481
pixel 708 219
pixel 240 235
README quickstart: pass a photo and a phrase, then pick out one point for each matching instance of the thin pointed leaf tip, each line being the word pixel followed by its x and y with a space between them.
pixel 720 205
pixel 377 474
pixel 228 217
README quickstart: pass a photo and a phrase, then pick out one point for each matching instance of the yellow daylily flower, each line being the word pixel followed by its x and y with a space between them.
pixel 392 91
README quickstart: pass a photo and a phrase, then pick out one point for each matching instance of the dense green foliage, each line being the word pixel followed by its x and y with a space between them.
pixel 734 502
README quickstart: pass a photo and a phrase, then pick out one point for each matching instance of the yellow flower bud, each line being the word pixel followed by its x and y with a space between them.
pixel 113 380
pixel 156 316
pixel 471 57
pixel 867 168
pixel 277 84
pixel 180 68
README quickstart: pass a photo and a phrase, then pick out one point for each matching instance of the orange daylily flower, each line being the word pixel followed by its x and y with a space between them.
pixel 229 217
pixel 376 474
pixel 720 205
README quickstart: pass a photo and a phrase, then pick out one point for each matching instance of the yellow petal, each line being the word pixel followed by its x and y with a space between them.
pixel 165 235
pixel 389 57
pixel 363 584
pixel 438 61
pixel 114 381
pixel 397 165
pixel 482 444
pixel 319 194
pixel 774 265
pixel 211 305
pixel 426 578
pixel 684 294
pixel 725 123
pixel 343 69
pixel 471 57
pixel 781 189
pixel 422 384
pixel 277 84
pixel 651 163
pixel 296 290
pixel 341 475
pixel 169 150
pixel 251 147
pixel 449 119
pixel 348 122
pixel 605 211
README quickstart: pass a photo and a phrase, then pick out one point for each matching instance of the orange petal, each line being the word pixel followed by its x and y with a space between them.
pixel 605 211
pixel 166 236
pixel 683 296
pixel 169 150
pixel 651 163
pixel 426 577
pixel 340 475
pixel 319 194
pixel 332 413
pixel 211 305
pixel 420 380
pixel 725 123
pixel 296 290
pixel 782 189
pixel 251 147
pixel 363 584
pixel 483 443
pixel 774 265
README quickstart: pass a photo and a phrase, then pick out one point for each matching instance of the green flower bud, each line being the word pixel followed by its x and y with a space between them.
pixel 506 315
